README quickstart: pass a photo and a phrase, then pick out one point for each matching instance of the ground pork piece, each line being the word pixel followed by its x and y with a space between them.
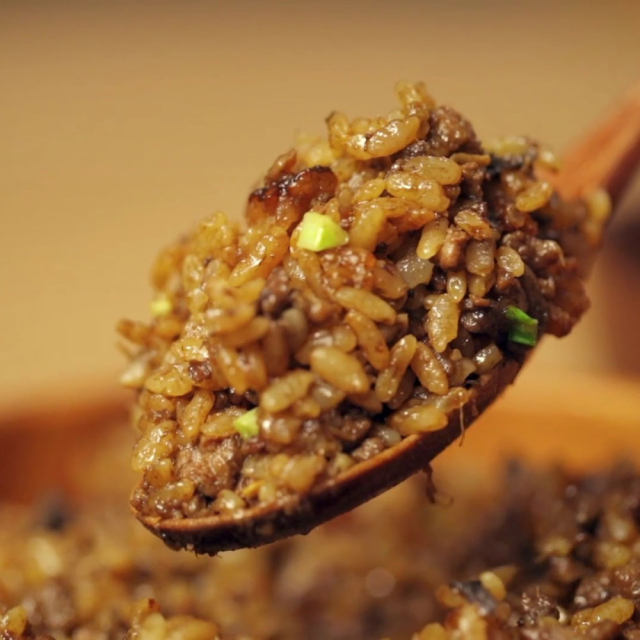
pixel 212 467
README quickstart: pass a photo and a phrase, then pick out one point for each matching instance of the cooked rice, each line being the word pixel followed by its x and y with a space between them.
pixel 384 334
pixel 550 556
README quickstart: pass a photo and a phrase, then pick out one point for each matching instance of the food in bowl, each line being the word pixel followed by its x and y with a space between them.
pixel 548 555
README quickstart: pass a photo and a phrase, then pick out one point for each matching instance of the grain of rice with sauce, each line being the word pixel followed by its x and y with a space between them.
pixel 379 273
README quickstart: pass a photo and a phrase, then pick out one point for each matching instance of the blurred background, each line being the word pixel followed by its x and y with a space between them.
pixel 123 123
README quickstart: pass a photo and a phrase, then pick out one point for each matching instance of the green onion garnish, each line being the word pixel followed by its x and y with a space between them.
pixel 161 306
pixel 247 424
pixel 318 232
pixel 524 328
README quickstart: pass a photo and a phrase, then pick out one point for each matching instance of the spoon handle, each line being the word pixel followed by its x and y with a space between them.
pixel 607 156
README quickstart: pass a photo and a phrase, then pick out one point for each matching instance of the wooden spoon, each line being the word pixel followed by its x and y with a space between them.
pixel 605 158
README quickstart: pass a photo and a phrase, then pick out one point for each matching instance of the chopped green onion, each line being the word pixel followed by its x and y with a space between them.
pixel 247 424
pixel 515 314
pixel 161 306
pixel 523 334
pixel 524 328
pixel 318 232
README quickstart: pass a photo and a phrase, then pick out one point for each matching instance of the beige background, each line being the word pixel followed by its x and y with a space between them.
pixel 122 123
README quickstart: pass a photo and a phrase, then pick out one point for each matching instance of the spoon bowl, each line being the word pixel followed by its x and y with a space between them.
pixel 605 158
